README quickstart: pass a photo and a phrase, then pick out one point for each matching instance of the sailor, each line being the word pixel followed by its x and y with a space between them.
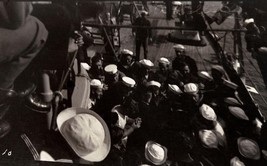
pixel 170 110
pixel 112 74
pixel 193 98
pixel 118 92
pixel 181 57
pixel 96 71
pixel 211 149
pixel 157 96
pixel 142 34
pixel 96 92
pixel 126 62
pixel 143 74
pixel 169 11
pixel 248 151
pixel 257 45
pixel 222 85
pixel 163 72
pixel 186 75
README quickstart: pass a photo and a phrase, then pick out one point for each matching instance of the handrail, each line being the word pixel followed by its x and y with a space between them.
pixel 159 27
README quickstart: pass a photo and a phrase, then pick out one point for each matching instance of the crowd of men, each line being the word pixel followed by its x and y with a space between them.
pixel 192 117
pixel 170 115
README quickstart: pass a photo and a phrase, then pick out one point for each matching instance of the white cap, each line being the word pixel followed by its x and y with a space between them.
pixel 176 3
pixel 175 89
pixel 155 153
pixel 153 83
pixel 191 88
pixel 238 112
pixel 146 63
pixel 144 12
pixel 208 138
pixel 230 84
pixel 248 21
pixel 96 83
pixel 164 61
pixel 235 161
pixel 127 52
pixel 205 75
pixel 179 47
pixel 85 66
pixel 128 81
pixel 207 112
pixel 248 148
pixel 111 69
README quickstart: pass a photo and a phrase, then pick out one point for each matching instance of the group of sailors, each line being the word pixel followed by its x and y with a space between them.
pixel 173 114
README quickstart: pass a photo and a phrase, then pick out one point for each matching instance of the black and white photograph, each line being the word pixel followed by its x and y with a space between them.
pixel 133 83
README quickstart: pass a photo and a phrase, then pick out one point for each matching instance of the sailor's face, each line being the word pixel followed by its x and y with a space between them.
pixel 99 64
pixel 128 60
pixel 97 93
pixel 180 54
pixel 163 67
pixel 186 70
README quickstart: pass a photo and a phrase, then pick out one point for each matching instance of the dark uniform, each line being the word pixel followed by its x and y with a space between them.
pixel 142 35
pixel 168 9
pixel 177 62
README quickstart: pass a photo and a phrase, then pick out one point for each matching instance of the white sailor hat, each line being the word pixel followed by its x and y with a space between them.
pixel 248 21
pixel 129 82
pixel 232 101
pixel 205 75
pixel 207 112
pixel 95 83
pixel 146 63
pixel 155 153
pixel 238 112
pixel 144 12
pixel 153 83
pixel 179 47
pixel 235 161
pixel 248 148
pixel 208 138
pixel 176 3
pixel 111 69
pixel 164 61
pixel 191 88
pixel 127 52
pixel 230 84
pixel 175 89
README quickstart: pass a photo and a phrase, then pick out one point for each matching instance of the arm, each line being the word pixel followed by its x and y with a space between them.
pixel 17 13
pixel 136 123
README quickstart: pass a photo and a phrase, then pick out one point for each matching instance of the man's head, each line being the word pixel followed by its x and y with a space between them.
pixel 143 13
pixel 97 61
pixel 146 66
pixel 128 85
pixel 184 69
pixel 126 57
pixel 179 50
pixel 96 89
pixel 164 64
pixel 112 74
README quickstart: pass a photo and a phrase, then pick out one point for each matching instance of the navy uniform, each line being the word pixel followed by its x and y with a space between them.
pixel 181 58
pixel 142 34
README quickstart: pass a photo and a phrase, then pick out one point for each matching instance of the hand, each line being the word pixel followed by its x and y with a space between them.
pixel 150 40
pixel 134 34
